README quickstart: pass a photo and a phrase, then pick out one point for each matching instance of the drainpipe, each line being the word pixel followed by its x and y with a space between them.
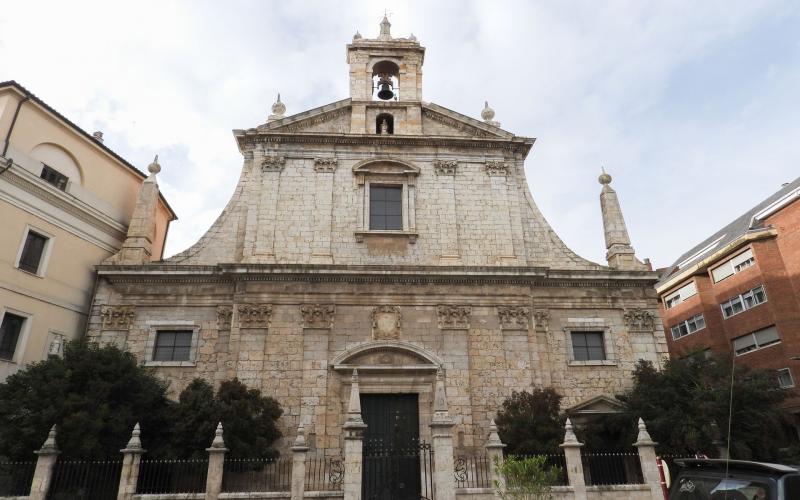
pixel 11 129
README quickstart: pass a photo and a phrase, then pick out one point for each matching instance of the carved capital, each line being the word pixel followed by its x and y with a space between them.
pixel 224 314
pixel 116 317
pixel 542 320
pixel 514 317
pixel 325 164
pixel 317 315
pixel 639 320
pixel 254 315
pixel 273 163
pixel 386 323
pixel 445 167
pixel 454 317
pixel 496 167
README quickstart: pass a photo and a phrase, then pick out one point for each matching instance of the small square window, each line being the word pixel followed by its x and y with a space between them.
pixel 386 208
pixel 173 345
pixel 785 379
pixel 9 335
pixel 54 177
pixel 588 346
pixel 32 252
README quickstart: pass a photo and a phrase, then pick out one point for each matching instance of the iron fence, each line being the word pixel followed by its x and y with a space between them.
pixel 172 476
pixel 16 478
pixel 473 471
pixel 257 475
pixel 85 480
pixel 612 468
pixel 324 473
pixel 553 460
pixel 397 471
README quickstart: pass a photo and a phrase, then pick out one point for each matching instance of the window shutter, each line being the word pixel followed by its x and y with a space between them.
pixel 767 336
pixel 743 343
pixel 722 271
pixel 741 258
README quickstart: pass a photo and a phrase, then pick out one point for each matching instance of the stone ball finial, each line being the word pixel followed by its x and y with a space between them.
pixel 604 177
pixel 218 441
pixel 278 108
pixel 488 113
pixel 357 36
pixel 412 38
pixel 154 167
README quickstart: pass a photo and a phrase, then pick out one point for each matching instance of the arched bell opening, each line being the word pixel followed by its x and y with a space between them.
pixel 384 124
pixel 385 82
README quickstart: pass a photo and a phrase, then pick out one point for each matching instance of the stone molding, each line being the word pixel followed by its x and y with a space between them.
pixel 311 121
pixel 456 124
pixel 224 315
pixel 116 317
pixel 541 320
pixel 318 315
pixel 445 167
pixel 254 315
pixel 496 168
pixel 640 320
pixel 325 164
pixel 386 323
pixel 273 163
pixel 454 317
pixel 514 317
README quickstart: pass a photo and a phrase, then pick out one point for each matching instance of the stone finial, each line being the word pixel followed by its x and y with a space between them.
pixel 354 407
pixel 440 413
pixel 619 252
pixel 569 434
pixel 154 167
pixel 49 446
pixel 643 439
pixel 604 178
pixel 278 109
pixel 488 115
pixel 386 26
pixel 218 443
pixel 412 38
pixel 98 136
pixel 300 440
pixel 494 438
pixel 135 442
pixel 357 36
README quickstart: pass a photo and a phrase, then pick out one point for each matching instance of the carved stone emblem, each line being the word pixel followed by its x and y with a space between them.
pixel 116 317
pixel 454 317
pixel 254 315
pixel 224 314
pixel 325 164
pixel 386 323
pixel 541 320
pixel 445 167
pixel 495 167
pixel 317 315
pixel 639 320
pixel 273 163
pixel 514 317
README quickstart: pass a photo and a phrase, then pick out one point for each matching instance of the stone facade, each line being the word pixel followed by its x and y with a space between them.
pixel 290 290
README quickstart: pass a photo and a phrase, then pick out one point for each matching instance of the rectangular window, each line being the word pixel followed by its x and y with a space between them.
pixel 733 266
pixel 756 340
pixel 691 325
pixel 32 252
pixel 173 345
pixel 9 334
pixel 54 177
pixel 785 379
pixel 743 302
pixel 588 346
pixel 680 295
pixel 386 208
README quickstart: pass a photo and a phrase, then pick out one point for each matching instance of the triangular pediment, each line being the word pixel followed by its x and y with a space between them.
pixel 596 406
pixel 330 118
pixel 440 121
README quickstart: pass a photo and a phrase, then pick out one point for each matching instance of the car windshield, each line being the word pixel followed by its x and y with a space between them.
pixel 714 488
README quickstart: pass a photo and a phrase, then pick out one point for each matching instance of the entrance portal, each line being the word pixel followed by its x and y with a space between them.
pixel 394 458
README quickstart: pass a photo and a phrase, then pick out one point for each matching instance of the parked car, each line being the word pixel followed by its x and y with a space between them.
pixel 708 479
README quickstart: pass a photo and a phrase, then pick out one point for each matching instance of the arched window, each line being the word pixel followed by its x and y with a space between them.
pixel 385 81
pixel 384 124
pixel 58 166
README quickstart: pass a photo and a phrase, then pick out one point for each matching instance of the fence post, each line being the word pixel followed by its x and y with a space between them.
pixel 216 461
pixel 353 443
pixel 131 458
pixel 647 458
pixel 43 474
pixel 444 481
pixel 299 450
pixel 572 457
pixel 494 452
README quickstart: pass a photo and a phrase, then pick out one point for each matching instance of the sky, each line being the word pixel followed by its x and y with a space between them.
pixel 691 106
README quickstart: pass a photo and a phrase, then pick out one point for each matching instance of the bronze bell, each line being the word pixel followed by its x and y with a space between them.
pixel 385 91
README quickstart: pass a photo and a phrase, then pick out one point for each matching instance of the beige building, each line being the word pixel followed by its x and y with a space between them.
pixel 390 235
pixel 66 201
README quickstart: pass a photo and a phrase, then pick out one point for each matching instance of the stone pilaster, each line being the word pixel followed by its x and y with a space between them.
pixel 572 455
pixel 299 451
pixel 353 443
pixel 442 443
pixel 216 460
pixel 647 458
pixel 43 474
pixel 131 458
pixel 494 452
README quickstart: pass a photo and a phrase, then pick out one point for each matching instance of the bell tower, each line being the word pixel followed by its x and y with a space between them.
pixel 385 83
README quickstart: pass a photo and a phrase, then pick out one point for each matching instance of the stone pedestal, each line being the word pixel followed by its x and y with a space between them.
pixel 216 461
pixel 647 458
pixel 494 452
pixel 572 455
pixel 43 474
pixel 354 429
pixel 131 458
pixel 444 480
pixel 299 451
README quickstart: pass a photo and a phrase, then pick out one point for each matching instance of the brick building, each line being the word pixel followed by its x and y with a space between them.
pixel 739 290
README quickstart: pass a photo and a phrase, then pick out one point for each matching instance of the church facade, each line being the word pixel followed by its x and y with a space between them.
pixel 393 236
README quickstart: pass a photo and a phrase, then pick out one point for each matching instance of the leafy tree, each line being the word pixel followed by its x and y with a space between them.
pixel 529 422
pixel 686 406
pixel 95 394
pixel 249 420
pixel 526 478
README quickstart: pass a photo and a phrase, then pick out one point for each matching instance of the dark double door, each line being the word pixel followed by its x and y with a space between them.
pixel 392 449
